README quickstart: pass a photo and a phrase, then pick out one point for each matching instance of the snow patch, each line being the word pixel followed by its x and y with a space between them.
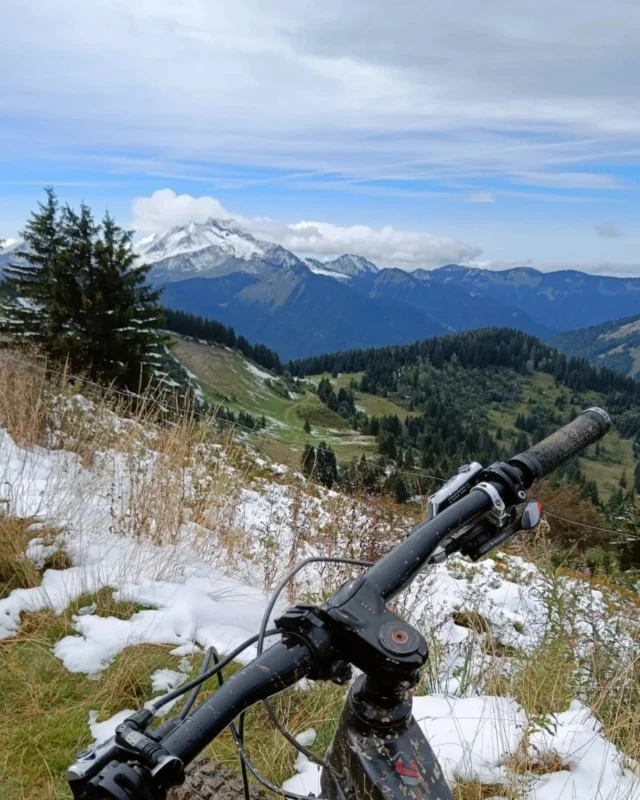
pixel 101 731
pixel 162 680
pixel 259 373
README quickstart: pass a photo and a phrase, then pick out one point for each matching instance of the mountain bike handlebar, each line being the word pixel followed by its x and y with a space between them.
pixel 354 627
pixel 564 444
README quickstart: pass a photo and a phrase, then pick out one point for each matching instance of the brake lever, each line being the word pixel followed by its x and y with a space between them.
pixel 489 537
pixel 93 767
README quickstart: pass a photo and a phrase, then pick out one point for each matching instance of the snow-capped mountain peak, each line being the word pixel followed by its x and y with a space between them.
pixel 225 235
pixel 351 265
pixel 209 249
pixel 342 268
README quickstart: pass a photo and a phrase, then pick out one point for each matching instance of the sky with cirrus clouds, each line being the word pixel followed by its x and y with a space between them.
pixel 415 133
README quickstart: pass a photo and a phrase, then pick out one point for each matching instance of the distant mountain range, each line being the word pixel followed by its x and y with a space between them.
pixel 613 344
pixel 301 307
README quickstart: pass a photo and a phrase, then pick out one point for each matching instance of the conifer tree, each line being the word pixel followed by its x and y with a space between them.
pixel 308 461
pixel 67 305
pixel 29 277
pixel 123 315
pixel 78 294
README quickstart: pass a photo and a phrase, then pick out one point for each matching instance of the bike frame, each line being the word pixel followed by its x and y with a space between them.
pixel 381 751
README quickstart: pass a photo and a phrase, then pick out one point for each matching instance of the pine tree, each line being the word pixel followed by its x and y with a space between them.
pixel 79 295
pixel 307 426
pixel 68 309
pixel 308 460
pixel 123 315
pixel 326 465
pixel 29 278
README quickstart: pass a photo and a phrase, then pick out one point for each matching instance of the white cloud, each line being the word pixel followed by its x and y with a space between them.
pixel 570 180
pixel 374 89
pixel 386 246
pixel 164 209
pixel 480 197
pixel 608 230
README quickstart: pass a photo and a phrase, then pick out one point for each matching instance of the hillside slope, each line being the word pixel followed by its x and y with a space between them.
pixel 447 412
pixel 130 547
pixel 614 344
pixel 230 380
pixel 298 313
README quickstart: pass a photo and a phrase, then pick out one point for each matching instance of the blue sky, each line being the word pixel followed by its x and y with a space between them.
pixel 415 133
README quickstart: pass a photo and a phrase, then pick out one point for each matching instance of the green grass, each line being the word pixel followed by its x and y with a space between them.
pixel 45 709
pixel 616 454
pixel 373 404
pixel 226 380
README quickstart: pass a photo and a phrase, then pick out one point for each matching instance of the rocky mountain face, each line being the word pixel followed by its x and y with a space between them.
pixel 304 306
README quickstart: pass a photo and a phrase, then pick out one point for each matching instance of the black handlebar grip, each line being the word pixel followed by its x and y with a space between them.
pixel 550 453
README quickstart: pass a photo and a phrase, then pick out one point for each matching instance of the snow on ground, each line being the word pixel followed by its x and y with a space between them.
pixel 187 600
pixel 191 598
pixel 259 373
pixel 474 739
pixel 101 731
pixel 515 604
pixel 329 273
pixel 162 680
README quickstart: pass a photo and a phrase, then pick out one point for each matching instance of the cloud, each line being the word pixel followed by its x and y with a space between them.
pixel 384 91
pixel 386 246
pixel 164 209
pixel 608 230
pixel 480 197
pixel 570 180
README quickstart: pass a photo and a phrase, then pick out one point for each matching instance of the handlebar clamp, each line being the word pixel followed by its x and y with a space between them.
pixel 356 627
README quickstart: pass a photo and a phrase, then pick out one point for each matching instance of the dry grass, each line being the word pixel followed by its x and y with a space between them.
pixel 471 620
pixel 24 398
pixel 542 764
pixel 160 457
pixel 473 790
pixel 615 700
pixel 45 708
pixel 16 570
pixel 319 708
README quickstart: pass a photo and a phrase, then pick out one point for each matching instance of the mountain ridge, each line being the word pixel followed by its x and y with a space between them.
pixel 300 306
pixel 614 344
